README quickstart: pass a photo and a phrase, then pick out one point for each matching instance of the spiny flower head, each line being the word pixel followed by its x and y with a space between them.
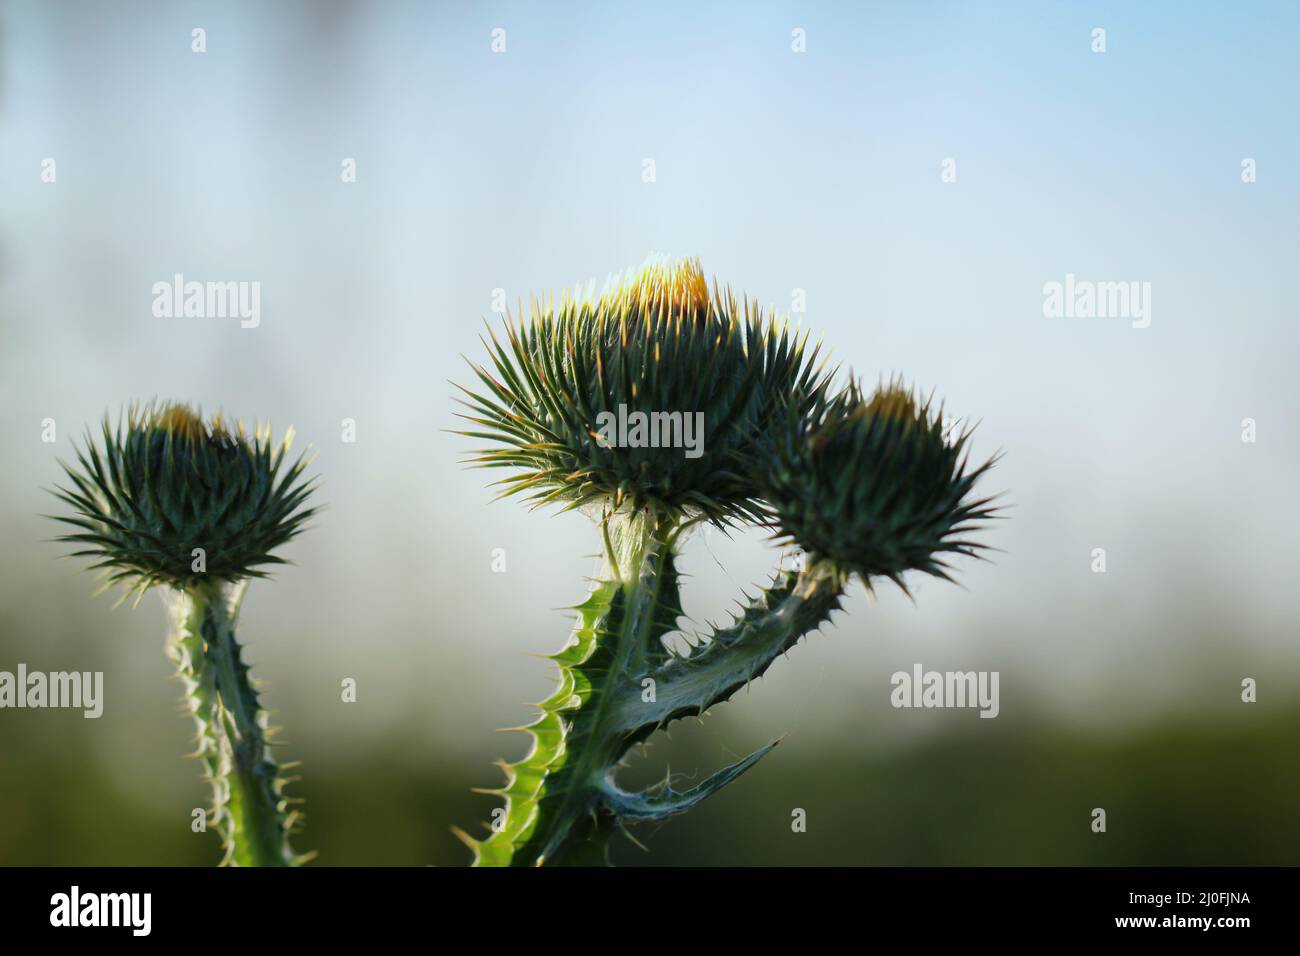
pixel 875 485
pixel 166 482
pixel 649 394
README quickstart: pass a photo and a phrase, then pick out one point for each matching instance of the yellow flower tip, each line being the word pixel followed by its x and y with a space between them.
pixel 662 287
pixel 183 422
pixel 187 424
pixel 894 402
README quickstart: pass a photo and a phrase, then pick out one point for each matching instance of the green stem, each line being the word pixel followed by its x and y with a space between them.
pixel 638 561
pixel 554 813
pixel 249 808
pixel 795 603
pixel 619 684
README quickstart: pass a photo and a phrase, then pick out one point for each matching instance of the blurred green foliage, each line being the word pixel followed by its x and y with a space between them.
pixel 1203 793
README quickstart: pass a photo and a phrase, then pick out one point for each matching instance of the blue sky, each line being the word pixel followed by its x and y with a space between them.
pixel 817 171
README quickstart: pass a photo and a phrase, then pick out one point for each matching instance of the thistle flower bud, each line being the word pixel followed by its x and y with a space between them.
pixel 874 485
pixel 175 500
pixel 649 394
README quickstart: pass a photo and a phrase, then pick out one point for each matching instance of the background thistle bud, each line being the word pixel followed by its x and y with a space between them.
pixel 198 507
pixel 874 485
pixel 166 482
pixel 655 344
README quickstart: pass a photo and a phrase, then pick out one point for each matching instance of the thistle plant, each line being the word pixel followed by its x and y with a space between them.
pixel 196 509
pixel 867 486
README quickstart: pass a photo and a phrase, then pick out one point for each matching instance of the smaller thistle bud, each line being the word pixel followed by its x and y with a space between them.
pixel 173 499
pixel 874 486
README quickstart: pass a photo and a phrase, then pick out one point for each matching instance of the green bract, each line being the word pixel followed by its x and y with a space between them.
pixel 166 483
pixel 660 352
pixel 875 486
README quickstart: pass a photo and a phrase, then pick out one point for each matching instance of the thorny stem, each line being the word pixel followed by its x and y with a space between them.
pixel 635 547
pixel 619 684
pixel 249 808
